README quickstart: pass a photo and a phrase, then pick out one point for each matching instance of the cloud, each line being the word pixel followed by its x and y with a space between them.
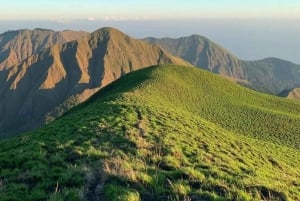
pixel 60 21
pixel 91 19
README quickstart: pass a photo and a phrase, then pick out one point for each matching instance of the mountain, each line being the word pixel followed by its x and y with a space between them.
pixel 291 94
pixel 270 75
pixel 203 53
pixel 294 94
pixel 47 84
pixel 16 46
pixel 161 133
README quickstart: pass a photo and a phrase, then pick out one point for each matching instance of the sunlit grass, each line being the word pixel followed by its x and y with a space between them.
pixel 162 133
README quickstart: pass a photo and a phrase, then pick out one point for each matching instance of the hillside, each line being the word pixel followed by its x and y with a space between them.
pixel 45 85
pixel 15 46
pixel 270 75
pixel 161 133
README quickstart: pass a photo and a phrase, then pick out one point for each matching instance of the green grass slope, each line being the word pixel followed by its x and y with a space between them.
pixel 161 133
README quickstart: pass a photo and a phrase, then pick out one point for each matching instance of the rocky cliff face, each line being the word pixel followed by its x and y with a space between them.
pixel 16 46
pixel 47 84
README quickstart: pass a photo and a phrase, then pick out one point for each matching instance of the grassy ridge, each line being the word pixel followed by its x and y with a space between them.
pixel 226 104
pixel 162 133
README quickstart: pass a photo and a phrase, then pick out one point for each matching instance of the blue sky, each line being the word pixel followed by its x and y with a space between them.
pixel 141 10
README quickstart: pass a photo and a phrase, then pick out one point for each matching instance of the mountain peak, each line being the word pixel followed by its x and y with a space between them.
pixel 43 29
pixel 15 46
pixel 202 52
pixel 62 76
pixel 109 32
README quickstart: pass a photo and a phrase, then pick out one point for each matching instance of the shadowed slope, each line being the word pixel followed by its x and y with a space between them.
pixel 16 46
pixel 269 75
pixel 161 133
pixel 47 84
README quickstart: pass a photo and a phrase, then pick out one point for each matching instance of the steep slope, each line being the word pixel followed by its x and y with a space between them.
pixel 203 53
pixel 47 84
pixel 269 75
pixel 161 133
pixel 16 46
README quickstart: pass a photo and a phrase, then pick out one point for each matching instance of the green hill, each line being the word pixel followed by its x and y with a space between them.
pixel 161 133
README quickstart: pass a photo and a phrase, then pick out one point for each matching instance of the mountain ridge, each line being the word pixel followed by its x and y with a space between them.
pixel 49 83
pixel 269 75
pixel 66 74
pixel 17 45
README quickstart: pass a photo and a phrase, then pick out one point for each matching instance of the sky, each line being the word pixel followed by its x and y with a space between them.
pixel 153 9
pixel 249 29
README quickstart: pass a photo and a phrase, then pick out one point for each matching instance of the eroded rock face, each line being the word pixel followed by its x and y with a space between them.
pixel 15 46
pixel 45 85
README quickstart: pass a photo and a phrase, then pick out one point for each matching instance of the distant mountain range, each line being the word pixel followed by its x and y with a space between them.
pixel 45 85
pixel 127 120
pixel 270 75
pixel 44 73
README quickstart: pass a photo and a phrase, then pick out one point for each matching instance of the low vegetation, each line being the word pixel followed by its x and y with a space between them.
pixel 161 133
